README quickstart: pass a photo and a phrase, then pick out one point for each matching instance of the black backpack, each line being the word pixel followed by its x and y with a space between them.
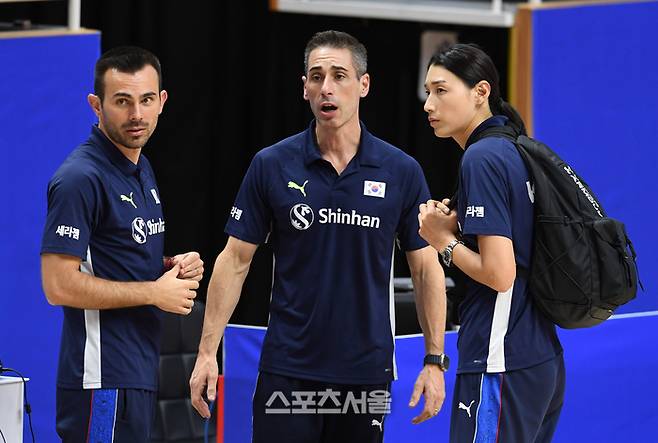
pixel 583 263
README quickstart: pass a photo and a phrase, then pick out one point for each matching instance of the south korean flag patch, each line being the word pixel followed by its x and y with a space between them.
pixel 374 189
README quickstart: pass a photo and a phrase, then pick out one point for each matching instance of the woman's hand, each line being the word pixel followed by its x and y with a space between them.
pixel 438 224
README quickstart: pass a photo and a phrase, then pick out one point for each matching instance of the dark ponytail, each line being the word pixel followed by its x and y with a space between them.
pixel 512 114
pixel 472 65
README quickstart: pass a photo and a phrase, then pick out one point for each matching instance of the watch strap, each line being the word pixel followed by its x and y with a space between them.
pixel 446 254
pixel 440 360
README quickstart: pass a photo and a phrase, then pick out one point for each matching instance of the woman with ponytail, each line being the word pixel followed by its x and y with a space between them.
pixel 510 374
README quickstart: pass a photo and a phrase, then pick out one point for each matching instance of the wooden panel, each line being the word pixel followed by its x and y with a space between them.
pixel 520 69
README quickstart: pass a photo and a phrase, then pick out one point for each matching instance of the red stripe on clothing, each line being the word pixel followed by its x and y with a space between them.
pixel 219 402
pixel 91 404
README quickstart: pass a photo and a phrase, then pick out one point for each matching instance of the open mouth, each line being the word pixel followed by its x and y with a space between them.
pixel 328 108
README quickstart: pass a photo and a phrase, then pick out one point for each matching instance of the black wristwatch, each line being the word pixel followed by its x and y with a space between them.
pixel 441 360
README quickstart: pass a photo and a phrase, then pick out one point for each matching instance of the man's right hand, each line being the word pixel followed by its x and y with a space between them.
pixel 173 294
pixel 204 376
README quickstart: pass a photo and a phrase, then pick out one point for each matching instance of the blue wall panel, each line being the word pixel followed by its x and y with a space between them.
pixel 594 101
pixel 44 114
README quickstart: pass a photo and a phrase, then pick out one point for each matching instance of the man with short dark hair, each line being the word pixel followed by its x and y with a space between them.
pixel 102 260
pixel 332 200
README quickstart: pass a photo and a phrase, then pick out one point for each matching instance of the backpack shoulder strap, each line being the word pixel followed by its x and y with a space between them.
pixel 506 131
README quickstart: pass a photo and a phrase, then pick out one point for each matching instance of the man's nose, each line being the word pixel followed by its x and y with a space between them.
pixel 136 112
pixel 327 86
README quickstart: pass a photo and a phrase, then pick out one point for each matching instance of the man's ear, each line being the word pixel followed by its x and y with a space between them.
pixel 95 104
pixel 164 95
pixel 304 82
pixel 365 84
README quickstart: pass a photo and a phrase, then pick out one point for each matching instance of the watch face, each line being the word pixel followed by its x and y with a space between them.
pixel 445 363
pixel 446 257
